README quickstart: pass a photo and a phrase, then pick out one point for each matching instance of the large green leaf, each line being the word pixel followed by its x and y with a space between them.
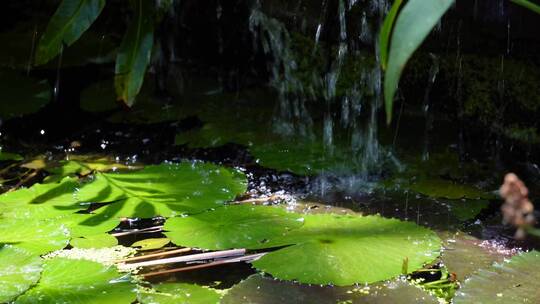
pixel 21 95
pixel 166 190
pixel 41 201
pixel 516 281
pixel 343 250
pixel 264 290
pixel 386 32
pixel 69 22
pixel 243 226
pixel 82 165
pixel 447 189
pixel 19 270
pixel 178 293
pixel 35 236
pixel 134 53
pixel 79 281
pixel 413 24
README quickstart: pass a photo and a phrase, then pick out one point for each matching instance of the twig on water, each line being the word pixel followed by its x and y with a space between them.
pixel 138 231
pixel 153 255
pixel 247 258
pixel 190 258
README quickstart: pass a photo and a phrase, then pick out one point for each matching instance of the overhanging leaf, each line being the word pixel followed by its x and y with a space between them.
pixel 19 270
pixel 513 282
pixel 178 293
pixel 69 22
pixel 134 53
pixel 79 281
pixel 529 5
pixel 343 250
pixel 413 24
pixel 386 31
pixel 166 190
pixel 243 226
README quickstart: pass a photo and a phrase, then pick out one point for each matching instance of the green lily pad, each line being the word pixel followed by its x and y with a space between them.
pixel 243 226
pixel 516 281
pixel 79 281
pixel 19 270
pixel 35 236
pixel 263 290
pixel 151 244
pixel 343 250
pixel 102 240
pixel 82 165
pixel 467 209
pixel 41 201
pixel 178 293
pixel 21 95
pixel 166 190
pixel 464 255
pixel 447 189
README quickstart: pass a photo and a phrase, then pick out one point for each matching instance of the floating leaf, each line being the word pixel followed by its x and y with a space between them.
pixel 35 236
pixel 243 226
pixel 263 290
pixel 165 190
pixel 151 244
pixel 21 95
pixel 69 22
pixel 83 165
pixel 413 24
pixel 178 293
pixel 464 255
pixel 512 282
pixel 41 201
pixel 134 53
pixel 343 250
pixel 101 240
pixel 79 281
pixel 19 270
pixel 447 189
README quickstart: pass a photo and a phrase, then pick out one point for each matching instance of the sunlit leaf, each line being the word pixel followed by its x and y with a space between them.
pixel 41 201
pixel 151 244
pixel 178 293
pixel 166 190
pixel 243 226
pixel 35 236
pixel 21 95
pixel 19 270
pixel 134 53
pixel 343 250
pixel 516 281
pixel 69 22
pixel 101 240
pixel 79 281
pixel 83 165
pixel 413 24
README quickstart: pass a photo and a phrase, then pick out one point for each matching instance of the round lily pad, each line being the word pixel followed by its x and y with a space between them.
pixel 79 281
pixel 19 270
pixel 35 236
pixel 516 281
pixel 343 250
pixel 447 189
pixel 41 201
pixel 166 190
pixel 178 293
pixel 82 165
pixel 264 290
pixel 102 240
pixel 242 226
pixel 151 244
